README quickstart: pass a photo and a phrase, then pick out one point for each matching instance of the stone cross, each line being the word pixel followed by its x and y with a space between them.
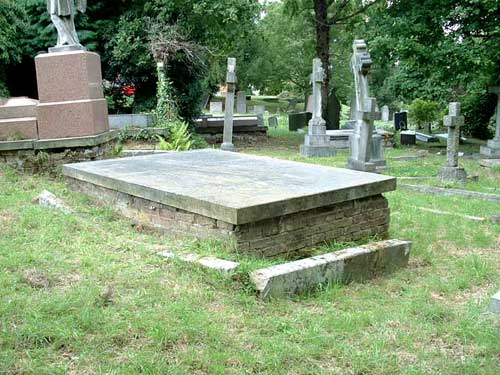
pixel 453 121
pixel 316 142
pixel 496 90
pixel 227 143
pixel 366 113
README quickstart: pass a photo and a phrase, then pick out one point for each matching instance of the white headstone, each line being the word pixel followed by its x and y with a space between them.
pixel 241 102
pixel 385 113
pixel 215 107
pixel 259 109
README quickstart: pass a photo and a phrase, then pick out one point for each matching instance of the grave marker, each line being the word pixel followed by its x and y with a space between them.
pixel 492 148
pixel 385 113
pixel 361 140
pixel 215 107
pixel 452 172
pixel 241 102
pixel 316 142
pixel 227 143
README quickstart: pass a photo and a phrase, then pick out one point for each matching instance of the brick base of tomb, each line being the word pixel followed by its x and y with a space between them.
pixel 285 235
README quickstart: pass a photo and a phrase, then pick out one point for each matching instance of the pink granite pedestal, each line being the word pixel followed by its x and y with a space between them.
pixel 71 96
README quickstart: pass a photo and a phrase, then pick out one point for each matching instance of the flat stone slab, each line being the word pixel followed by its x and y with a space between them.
pixel 450 192
pixel 495 303
pixel 228 186
pixel 213 263
pixel 490 163
pixel 353 264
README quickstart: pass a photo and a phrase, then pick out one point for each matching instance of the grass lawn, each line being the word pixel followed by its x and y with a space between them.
pixel 85 293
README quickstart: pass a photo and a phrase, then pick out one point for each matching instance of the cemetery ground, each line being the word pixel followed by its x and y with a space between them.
pixel 86 292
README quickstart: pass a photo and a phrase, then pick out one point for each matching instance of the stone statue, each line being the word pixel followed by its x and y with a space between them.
pixel 62 13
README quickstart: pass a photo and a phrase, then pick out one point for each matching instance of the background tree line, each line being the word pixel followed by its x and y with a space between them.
pixel 439 50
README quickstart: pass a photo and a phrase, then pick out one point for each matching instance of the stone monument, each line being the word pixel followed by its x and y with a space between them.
pixel 216 107
pixel 241 102
pixel 227 142
pixel 366 114
pixel 316 142
pixel 385 113
pixel 492 148
pixel 69 81
pixel 452 172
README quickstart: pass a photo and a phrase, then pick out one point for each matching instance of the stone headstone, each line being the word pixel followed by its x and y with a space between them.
pixel 453 121
pixel 241 102
pixel 259 109
pixel 385 113
pixel 215 107
pixel 333 109
pixel 316 142
pixel 492 148
pixel 298 120
pixel 227 143
pixel 310 104
pixel 401 121
pixel 273 121
pixel 408 137
pixel 361 139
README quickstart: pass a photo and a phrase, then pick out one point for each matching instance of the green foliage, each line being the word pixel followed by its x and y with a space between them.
pixel 179 138
pixel 423 112
pixel 166 109
pixel 436 50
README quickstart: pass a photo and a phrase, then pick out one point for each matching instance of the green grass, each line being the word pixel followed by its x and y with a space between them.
pixel 166 317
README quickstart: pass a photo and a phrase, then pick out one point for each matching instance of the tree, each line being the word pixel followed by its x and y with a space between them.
pixel 12 20
pixel 423 113
pixel 326 15
pixel 441 50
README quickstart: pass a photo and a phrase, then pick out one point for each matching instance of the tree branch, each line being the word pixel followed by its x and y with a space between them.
pixel 336 19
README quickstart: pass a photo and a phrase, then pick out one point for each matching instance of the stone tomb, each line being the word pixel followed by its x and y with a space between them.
pixel 264 206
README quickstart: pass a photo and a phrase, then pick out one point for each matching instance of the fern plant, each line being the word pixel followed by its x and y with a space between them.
pixel 179 138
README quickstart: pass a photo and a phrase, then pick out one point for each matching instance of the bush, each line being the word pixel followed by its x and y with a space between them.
pixel 423 112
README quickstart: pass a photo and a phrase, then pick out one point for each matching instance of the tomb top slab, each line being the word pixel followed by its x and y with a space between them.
pixel 227 186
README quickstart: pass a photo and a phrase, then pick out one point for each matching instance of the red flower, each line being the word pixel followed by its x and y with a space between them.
pixel 129 90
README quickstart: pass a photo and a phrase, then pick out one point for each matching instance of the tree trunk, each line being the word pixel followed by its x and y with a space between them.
pixel 323 47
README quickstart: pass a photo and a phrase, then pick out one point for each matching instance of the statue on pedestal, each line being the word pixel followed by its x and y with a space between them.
pixel 62 13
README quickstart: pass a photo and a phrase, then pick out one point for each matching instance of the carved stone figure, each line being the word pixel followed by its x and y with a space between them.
pixel 62 13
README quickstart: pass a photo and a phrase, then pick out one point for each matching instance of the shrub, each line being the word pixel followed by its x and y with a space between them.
pixel 423 112
pixel 179 138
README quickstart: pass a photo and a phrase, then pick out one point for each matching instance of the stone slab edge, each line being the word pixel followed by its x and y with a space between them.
pixel 353 264
pixel 45 144
pixel 450 192
pixel 26 144
pixel 495 303
pixel 89 141
pixel 217 264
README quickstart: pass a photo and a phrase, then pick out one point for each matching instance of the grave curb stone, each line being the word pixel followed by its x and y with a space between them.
pixel 353 264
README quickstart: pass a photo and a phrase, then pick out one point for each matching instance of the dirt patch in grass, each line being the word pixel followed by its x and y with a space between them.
pixel 35 279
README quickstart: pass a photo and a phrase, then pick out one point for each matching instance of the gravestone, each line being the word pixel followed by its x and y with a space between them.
pixel 18 118
pixel 408 137
pixel 333 112
pixel 351 123
pixel 259 109
pixel 310 104
pixel 385 113
pixel 298 120
pixel 492 148
pixel 316 142
pixel 227 143
pixel 361 139
pixel 273 121
pixel 241 102
pixel 377 152
pixel 215 107
pixel 452 172
pixel 401 121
